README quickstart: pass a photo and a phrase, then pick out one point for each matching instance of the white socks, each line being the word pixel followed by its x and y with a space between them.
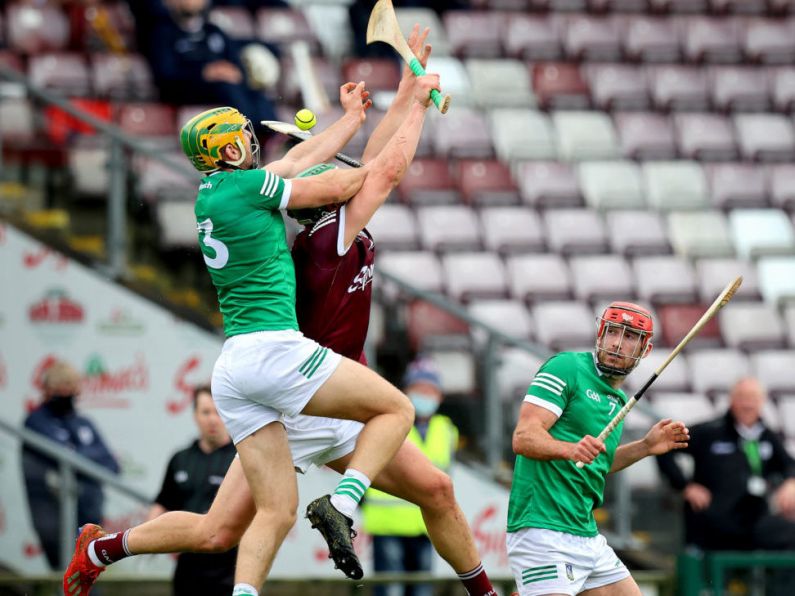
pixel 349 492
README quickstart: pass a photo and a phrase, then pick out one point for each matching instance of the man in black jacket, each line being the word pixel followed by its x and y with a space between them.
pixel 742 492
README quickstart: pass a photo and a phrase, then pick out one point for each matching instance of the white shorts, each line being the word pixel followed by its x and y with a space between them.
pixel 260 376
pixel 549 562
pixel 316 441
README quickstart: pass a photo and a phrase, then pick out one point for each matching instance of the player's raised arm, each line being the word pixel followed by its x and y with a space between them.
pixel 331 187
pixel 401 104
pixel 355 100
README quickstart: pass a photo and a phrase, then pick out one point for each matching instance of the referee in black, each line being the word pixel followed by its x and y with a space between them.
pixel 192 479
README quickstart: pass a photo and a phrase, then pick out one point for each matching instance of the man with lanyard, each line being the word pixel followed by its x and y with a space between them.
pixel 190 484
pixel 332 247
pixel 553 543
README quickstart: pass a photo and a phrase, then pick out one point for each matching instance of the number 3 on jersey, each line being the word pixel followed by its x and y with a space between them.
pixel 218 247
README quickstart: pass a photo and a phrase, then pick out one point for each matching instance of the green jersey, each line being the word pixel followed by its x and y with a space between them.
pixel 555 494
pixel 242 238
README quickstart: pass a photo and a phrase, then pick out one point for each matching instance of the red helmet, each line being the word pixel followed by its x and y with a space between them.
pixel 627 316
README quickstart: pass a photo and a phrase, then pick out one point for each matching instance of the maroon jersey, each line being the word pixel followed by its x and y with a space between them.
pixel 334 285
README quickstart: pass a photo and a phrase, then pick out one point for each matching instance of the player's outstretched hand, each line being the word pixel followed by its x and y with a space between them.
pixel 665 436
pixel 421 49
pixel 355 99
pixel 587 449
pixel 423 87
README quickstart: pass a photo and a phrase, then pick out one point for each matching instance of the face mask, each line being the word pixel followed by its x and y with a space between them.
pixel 61 405
pixel 424 406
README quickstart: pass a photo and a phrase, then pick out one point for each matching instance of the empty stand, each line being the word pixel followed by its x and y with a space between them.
pixel 671 185
pixel 765 137
pixel 533 37
pixel 429 326
pixel 644 135
pixel 714 274
pixel 509 316
pixel 592 38
pixel 177 225
pixel 770 41
pixel 676 321
pixel 758 232
pixel 512 229
pixel 715 371
pixel 563 325
pixel 515 370
pixel 782 186
pixel 777 279
pixel 700 233
pixel 612 185
pixel 572 231
pixel 487 182
pixel 539 277
pixel 419 268
pixel 774 369
pixel 734 185
pixel 691 408
pixel 235 21
pixel 522 134
pixel 394 227
pixel 585 135
pixel 463 133
pixel 676 377
pixel 707 39
pixel 448 228
pixel 739 88
pixel 652 39
pixel 380 74
pixel 560 85
pixel 601 277
pixel 500 83
pixel 470 275
pixel 66 73
pixel 428 181
pixel 122 77
pixel 676 87
pixel 548 184
pixel 35 29
pixel 637 233
pixel 618 86
pixel 707 137
pixel 664 279
pixel 474 33
pixel 281 26
pixel 751 326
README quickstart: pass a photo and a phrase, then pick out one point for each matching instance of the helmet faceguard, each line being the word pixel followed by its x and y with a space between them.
pixel 622 324
pixel 204 136
pixel 311 215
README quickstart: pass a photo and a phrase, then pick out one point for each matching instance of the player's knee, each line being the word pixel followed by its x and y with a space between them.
pixel 222 540
pixel 405 410
pixel 441 490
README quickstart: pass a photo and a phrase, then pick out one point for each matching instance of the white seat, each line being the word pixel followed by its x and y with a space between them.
pixel 690 408
pixel 572 231
pixel 671 185
pixel 716 370
pixel 777 278
pixel 394 226
pixel 542 276
pixel 500 83
pixel 714 274
pixel 774 369
pixel 664 279
pixel 509 316
pixel 758 232
pixel 601 277
pixel 419 268
pixel 786 406
pixel 456 369
pixel 514 373
pixel 563 325
pixel 585 135
pixel 522 134
pixel 512 229
pixel 409 16
pixel 612 184
pixel 637 233
pixel 700 233
pixel 448 227
pixel 751 326
pixel 765 137
pixel 675 377
pixel 455 77
pixel 548 184
pixel 474 275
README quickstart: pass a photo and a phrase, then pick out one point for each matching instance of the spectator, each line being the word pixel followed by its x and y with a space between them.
pixel 57 419
pixel 739 467
pixel 194 62
pixel 400 540
pixel 191 481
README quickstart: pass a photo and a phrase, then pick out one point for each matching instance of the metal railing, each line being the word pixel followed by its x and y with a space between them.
pixel 69 465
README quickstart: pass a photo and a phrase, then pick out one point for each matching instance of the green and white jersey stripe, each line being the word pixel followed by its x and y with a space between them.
pixel 555 494
pixel 540 573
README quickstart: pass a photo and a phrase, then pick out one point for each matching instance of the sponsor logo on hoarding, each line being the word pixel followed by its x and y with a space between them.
pixel 183 386
pixel 121 322
pixel 56 307
pixel 488 530
pixel 32 259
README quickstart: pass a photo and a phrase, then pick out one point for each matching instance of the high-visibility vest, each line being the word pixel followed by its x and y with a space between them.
pixel 385 515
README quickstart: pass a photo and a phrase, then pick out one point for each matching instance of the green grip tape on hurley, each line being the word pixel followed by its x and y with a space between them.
pixel 437 98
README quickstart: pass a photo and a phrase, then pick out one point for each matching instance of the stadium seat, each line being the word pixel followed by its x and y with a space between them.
pixel 394 227
pixel 678 6
pixel 548 184
pixel 635 233
pixel 700 234
pixel 575 231
pixel 782 88
pixel 428 181
pixel 601 277
pixel 281 26
pixel 645 135
pixel 715 371
pixel 563 325
pixel 446 228
pixel 235 21
pixel 559 85
pixel 421 269
pixel 690 408
pixel 470 275
pixel 747 7
pixel 408 16
pixel 714 274
pixel 611 184
pixel 765 137
pixel 11 60
pixel 621 6
pixel 327 74
pixel 707 39
pixel 774 369
pixel 751 326
pixel 508 316
pixel 592 38
pixel 618 86
pixel 789 320
pixel 16 122
pixel 733 185
pixel 533 37
pixel 676 321
pixel 88 167
pixel 457 371
pixel 643 475
pixel 777 279
pixel 124 77
pixel 652 39
pixel 759 232
pixel 770 41
pixel 739 88
pixel 511 229
pixel 500 83
pixel 664 279
pixel 671 185
pixel 34 29
pixel 585 135
pixel 522 134
pixel 486 182
pixel 515 370
pixel 331 24
pixel 455 77
pixel 540 277
pixel 65 73
pixel 463 133
pixel 153 120
pixel 157 181
pixel 676 377
pixel 474 33
pixel 430 327
pixel 782 186
pixel 706 137
pixel 380 74
pixel 786 405
pixel 177 225
pixel 678 87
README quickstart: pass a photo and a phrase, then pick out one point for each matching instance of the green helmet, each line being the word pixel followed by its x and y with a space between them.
pixel 203 136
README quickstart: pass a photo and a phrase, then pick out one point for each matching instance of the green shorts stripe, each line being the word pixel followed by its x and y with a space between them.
pixel 539 578
pixel 309 361
pixel 317 363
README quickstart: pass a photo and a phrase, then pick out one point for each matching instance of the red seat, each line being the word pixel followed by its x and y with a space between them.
pixel 428 181
pixel 147 119
pixel 11 60
pixel 486 182
pixel 473 34
pixel 426 322
pixel 35 29
pixel 378 73
pixel 559 85
pixel 676 320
